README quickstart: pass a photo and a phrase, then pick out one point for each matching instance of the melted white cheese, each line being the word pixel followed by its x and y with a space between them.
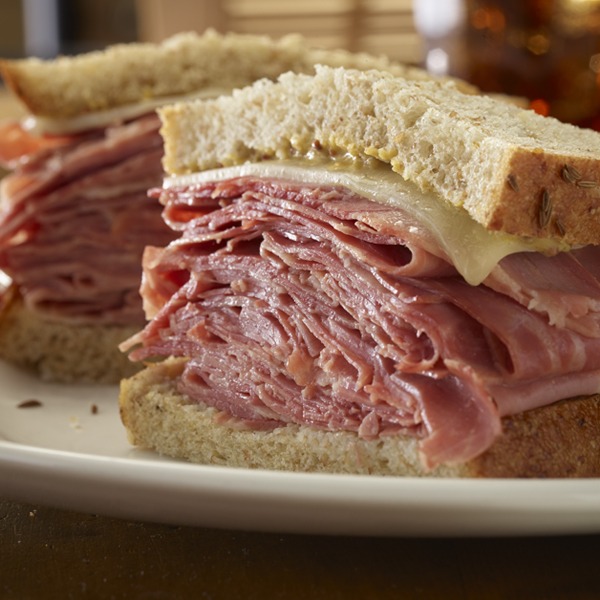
pixel 474 250
pixel 53 126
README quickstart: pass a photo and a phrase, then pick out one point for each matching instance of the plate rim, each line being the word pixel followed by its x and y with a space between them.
pixel 70 480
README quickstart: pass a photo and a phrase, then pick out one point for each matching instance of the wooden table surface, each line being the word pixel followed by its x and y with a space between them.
pixel 50 553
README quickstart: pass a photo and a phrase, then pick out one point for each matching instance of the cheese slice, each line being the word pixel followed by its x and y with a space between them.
pixel 472 249
pixel 39 125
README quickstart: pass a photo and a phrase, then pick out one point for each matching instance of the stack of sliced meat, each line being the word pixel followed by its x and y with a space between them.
pixel 316 306
pixel 75 218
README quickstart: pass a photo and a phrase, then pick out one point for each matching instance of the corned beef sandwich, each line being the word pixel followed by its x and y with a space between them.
pixel 75 214
pixel 372 275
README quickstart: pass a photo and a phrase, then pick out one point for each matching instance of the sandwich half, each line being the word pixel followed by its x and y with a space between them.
pixel 372 275
pixel 74 213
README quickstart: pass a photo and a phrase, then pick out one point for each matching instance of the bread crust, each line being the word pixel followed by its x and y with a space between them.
pixel 62 351
pixel 512 170
pixel 561 440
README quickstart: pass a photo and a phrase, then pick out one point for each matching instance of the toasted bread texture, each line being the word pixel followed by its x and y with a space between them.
pixel 511 169
pixel 561 440
pixel 185 63
pixel 62 351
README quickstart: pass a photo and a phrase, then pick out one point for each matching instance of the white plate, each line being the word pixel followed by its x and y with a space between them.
pixel 65 455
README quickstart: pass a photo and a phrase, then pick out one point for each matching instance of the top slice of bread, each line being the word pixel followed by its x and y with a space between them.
pixel 510 168
pixel 183 64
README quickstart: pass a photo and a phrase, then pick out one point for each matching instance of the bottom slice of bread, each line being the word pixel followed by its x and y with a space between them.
pixel 63 352
pixel 561 440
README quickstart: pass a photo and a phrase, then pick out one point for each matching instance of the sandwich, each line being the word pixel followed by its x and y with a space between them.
pixel 372 275
pixel 75 214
